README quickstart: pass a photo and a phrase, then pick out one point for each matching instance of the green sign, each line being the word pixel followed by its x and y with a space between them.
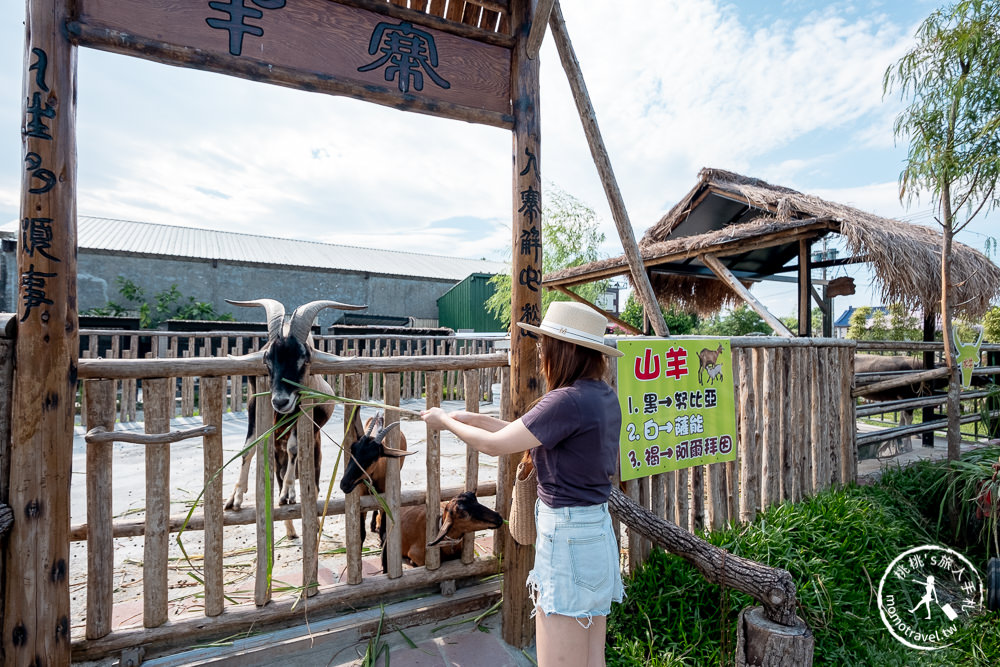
pixel 677 402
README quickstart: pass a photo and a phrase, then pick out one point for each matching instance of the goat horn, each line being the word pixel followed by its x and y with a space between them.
pixel 320 355
pixel 385 431
pixel 303 316
pixel 275 313
pixel 252 356
pixel 371 427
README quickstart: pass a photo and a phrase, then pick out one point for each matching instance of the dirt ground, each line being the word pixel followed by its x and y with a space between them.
pixel 186 482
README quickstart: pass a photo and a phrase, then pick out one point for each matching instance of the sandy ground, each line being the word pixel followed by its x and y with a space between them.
pixel 186 482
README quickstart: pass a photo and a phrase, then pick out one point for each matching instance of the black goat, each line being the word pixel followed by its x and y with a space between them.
pixel 287 355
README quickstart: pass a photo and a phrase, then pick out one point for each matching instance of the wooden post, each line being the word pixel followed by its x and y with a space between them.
pixel 307 490
pixel 352 501
pixel 637 271
pixel 472 394
pixel 100 543
pixel 393 537
pixel 726 276
pixel 263 500
pixel 36 625
pixel 213 402
pixel 526 279
pixel 770 471
pixel 805 288
pixel 156 401
pixel 749 436
pixel 432 555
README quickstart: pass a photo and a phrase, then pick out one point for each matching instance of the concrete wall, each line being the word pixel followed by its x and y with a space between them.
pixel 214 282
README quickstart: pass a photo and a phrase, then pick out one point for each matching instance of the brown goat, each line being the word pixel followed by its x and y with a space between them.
pixel 706 359
pixel 461 515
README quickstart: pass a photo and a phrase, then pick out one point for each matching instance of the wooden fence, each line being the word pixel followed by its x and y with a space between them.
pixel 119 344
pixel 977 402
pixel 101 528
pixel 795 419
pixel 796 436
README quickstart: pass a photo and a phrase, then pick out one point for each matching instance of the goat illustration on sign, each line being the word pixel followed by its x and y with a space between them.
pixel 968 356
pixel 708 361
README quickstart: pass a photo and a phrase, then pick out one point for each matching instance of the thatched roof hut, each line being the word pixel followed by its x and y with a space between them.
pixel 755 229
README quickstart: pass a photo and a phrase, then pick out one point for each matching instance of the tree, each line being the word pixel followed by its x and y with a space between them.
pixel 167 305
pixel 952 124
pixel 678 322
pixel 741 321
pixel 570 237
pixel 991 325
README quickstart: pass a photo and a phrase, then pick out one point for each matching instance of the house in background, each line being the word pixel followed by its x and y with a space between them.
pixel 463 307
pixel 213 266
pixel 842 323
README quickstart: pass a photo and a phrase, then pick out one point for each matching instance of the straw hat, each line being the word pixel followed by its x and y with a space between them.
pixel 574 323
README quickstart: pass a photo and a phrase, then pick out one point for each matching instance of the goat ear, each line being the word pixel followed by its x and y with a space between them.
pixel 396 453
pixel 443 533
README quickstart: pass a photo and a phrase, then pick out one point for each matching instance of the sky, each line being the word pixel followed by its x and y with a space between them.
pixel 786 91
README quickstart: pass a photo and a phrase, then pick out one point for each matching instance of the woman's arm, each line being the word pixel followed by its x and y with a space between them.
pixel 510 439
pixel 485 422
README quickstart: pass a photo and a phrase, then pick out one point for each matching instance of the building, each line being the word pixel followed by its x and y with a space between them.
pixel 213 266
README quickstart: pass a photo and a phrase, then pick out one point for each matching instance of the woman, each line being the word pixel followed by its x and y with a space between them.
pixel 572 432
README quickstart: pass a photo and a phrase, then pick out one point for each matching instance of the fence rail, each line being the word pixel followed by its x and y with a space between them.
pixel 165 346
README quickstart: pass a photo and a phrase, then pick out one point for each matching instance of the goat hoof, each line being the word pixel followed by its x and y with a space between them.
pixel 232 505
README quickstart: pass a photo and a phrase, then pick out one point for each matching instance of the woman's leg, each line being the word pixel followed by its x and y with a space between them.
pixel 562 640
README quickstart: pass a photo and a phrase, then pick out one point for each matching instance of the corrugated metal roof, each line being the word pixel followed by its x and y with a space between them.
pixel 145 238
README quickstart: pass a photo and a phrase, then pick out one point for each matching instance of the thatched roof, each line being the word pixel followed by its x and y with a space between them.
pixel 754 226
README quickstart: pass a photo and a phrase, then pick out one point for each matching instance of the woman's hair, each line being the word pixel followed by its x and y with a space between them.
pixel 564 363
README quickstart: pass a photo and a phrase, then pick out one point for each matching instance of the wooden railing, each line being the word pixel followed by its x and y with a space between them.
pixel 120 344
pixel 101 528
pixel 929 399
pixel 795 418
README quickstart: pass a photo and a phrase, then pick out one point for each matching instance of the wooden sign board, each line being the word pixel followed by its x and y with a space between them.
pixel 316 45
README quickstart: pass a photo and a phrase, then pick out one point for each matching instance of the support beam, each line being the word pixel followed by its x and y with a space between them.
pixel 36 624
pixel 579 299
pixel 719 269
pixel 805 288
pixel 517 626
pixel 640 280
pixel 538 22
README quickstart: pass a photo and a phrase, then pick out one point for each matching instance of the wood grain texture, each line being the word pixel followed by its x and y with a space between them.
pixel 157 397
pixel 36 623
pixel 393 539
pixel 213 400
pixel 338 37
pixel 100 543
pixel 264 497
pixel 432 555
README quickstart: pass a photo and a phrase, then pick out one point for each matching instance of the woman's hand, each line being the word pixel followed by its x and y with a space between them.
pixel 434 417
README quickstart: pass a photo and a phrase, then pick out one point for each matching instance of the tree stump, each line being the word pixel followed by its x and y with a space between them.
pixel 763 643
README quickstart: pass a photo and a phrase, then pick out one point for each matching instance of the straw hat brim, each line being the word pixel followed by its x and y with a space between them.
pixel 570 338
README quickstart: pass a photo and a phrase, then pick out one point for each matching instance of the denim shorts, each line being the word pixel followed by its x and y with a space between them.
pixel 576 572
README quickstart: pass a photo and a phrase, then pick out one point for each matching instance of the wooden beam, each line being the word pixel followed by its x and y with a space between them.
pixel 579 299
pixel 640 281
pixel 36 622
pixel 538 22
pixel 517 626
pixel 720 270
pixel 805 285
pixel 727 249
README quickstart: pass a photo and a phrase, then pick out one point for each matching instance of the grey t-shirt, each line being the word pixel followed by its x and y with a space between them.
pixel 578 427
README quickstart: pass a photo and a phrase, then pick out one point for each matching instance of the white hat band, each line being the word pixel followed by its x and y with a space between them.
pixel 563 330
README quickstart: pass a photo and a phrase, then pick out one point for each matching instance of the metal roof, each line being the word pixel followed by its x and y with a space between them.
pixel 145 238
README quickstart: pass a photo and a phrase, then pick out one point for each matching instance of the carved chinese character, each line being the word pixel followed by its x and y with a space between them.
pixel 407 51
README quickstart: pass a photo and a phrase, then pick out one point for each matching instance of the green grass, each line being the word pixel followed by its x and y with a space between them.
pixel 836 546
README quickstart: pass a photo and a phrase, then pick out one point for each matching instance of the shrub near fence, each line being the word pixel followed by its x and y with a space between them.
pixel 119 344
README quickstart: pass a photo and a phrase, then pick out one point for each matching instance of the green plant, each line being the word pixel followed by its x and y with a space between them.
pixel 167 304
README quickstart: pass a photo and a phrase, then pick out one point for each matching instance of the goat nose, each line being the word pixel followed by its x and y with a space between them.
pixel 282 404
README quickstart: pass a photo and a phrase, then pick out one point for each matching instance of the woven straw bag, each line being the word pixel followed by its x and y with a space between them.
pixel 522 506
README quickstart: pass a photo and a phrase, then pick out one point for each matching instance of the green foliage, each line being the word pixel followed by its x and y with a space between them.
pixel 741 321
pixel 678 322
pixel 168 304
pixel 836 545
pixel 952 121
pixel 571 236
pixel 898 323
pixel 991 325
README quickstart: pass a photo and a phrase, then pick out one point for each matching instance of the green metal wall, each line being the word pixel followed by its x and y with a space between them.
pixel 464 305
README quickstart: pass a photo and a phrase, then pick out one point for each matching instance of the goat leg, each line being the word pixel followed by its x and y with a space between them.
pixel 235 501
